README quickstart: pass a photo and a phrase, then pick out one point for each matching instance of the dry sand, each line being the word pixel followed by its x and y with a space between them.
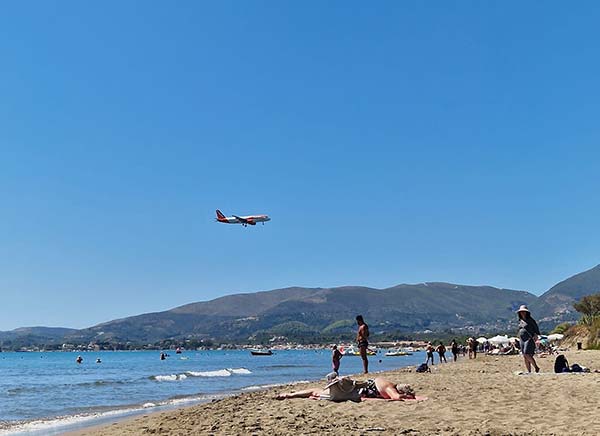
pixel 471 397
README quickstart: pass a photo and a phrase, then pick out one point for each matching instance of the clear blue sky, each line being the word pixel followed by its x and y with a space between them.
pixel 398 143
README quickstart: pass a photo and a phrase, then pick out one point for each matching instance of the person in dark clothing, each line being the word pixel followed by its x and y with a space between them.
pixel 336 356
pixel 441 350
pixel 454 348
pixel 528 334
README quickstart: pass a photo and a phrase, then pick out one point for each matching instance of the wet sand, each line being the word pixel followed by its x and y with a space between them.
pixel 471 397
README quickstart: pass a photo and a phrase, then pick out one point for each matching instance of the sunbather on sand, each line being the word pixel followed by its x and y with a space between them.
pixel 377 388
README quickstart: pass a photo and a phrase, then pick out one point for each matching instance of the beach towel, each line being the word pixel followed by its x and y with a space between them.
pixel 413 400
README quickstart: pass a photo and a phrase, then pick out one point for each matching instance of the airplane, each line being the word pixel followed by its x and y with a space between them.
pixel 245 221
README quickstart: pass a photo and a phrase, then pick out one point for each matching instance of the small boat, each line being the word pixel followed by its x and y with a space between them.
pixel 398 352
pixel 353 351
pixel 257 352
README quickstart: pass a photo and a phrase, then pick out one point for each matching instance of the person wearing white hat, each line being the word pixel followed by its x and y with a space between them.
pixel 528 334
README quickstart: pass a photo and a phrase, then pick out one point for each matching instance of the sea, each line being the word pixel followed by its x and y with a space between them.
pixel 48 393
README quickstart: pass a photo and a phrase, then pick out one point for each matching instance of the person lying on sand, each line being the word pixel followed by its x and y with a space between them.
pixel 377 388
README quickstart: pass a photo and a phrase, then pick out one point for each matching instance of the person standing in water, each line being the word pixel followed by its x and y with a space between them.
pixel 336 356
pixel 528 334
pixel 362 339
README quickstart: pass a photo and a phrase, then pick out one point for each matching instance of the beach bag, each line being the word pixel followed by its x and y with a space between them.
pixel 423 368
pixel 561 364
pixel 345 389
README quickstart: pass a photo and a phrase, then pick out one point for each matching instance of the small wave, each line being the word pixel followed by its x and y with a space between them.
pixel 288 366
pixel 171 377
pixel 239 370
pixel 15 391
pixel 216 373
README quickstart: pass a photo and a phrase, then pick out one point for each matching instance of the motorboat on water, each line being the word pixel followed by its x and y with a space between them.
pixel 353 351
pixel 260 352
pixel 399 352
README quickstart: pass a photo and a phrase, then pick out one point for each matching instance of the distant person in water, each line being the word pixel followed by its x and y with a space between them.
pixel 336 356
pixel 362 339
pixel 528 334
pixel 441 350
pixel 454 348
pixel 79 359
pixel 429 350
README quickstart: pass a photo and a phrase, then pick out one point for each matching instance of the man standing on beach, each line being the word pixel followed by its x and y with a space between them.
pixel 472 344
pixel 362 339
pixel 429 350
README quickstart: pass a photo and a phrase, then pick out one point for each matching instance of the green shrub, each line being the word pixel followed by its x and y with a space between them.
pixel 561 328
pixel 594 337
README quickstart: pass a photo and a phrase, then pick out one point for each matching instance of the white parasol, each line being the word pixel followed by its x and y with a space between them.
pixel 497 340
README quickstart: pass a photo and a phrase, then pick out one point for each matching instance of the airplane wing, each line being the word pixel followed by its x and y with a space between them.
pixel 244 220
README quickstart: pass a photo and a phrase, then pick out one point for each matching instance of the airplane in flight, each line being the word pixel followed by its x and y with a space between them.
pixel 245 221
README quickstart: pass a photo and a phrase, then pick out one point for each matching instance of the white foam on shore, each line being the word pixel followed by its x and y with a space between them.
pixel 261 387
pixel 62 424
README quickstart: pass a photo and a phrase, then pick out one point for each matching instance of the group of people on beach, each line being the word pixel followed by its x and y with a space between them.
pixel 528 335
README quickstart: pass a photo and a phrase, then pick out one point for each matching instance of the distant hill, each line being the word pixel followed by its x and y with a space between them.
pixel 311 312
pixel 557 302
pixel 35 335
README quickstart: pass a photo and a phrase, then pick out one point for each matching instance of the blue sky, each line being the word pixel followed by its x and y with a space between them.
pixel 397 143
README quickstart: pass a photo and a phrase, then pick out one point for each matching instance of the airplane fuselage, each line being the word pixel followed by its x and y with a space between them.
pixel 248 220
pixel 245 219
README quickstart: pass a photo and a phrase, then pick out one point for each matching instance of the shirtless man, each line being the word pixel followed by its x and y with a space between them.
pixel 384 389
pixel 362 339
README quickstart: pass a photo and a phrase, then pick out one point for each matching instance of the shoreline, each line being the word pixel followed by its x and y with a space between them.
pixel 470 397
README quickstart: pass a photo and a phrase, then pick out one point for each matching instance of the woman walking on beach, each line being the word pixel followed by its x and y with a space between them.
pixel 362 339
pixel 528 334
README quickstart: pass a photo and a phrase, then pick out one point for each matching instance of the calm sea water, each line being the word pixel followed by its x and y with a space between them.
pixel 48 393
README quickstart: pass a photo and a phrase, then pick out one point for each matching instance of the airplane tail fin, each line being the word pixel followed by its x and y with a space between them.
pixel 220 215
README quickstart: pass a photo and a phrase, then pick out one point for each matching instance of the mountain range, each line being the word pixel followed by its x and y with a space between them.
pixel 311 314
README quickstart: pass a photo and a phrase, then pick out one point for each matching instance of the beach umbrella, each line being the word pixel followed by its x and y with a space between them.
pixel 482 340
pixel 497 340
pixel 555 337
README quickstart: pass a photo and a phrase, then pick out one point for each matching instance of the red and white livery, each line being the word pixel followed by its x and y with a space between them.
pixel 249 220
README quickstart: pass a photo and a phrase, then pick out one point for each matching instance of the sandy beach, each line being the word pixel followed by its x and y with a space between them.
pixel 470 397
